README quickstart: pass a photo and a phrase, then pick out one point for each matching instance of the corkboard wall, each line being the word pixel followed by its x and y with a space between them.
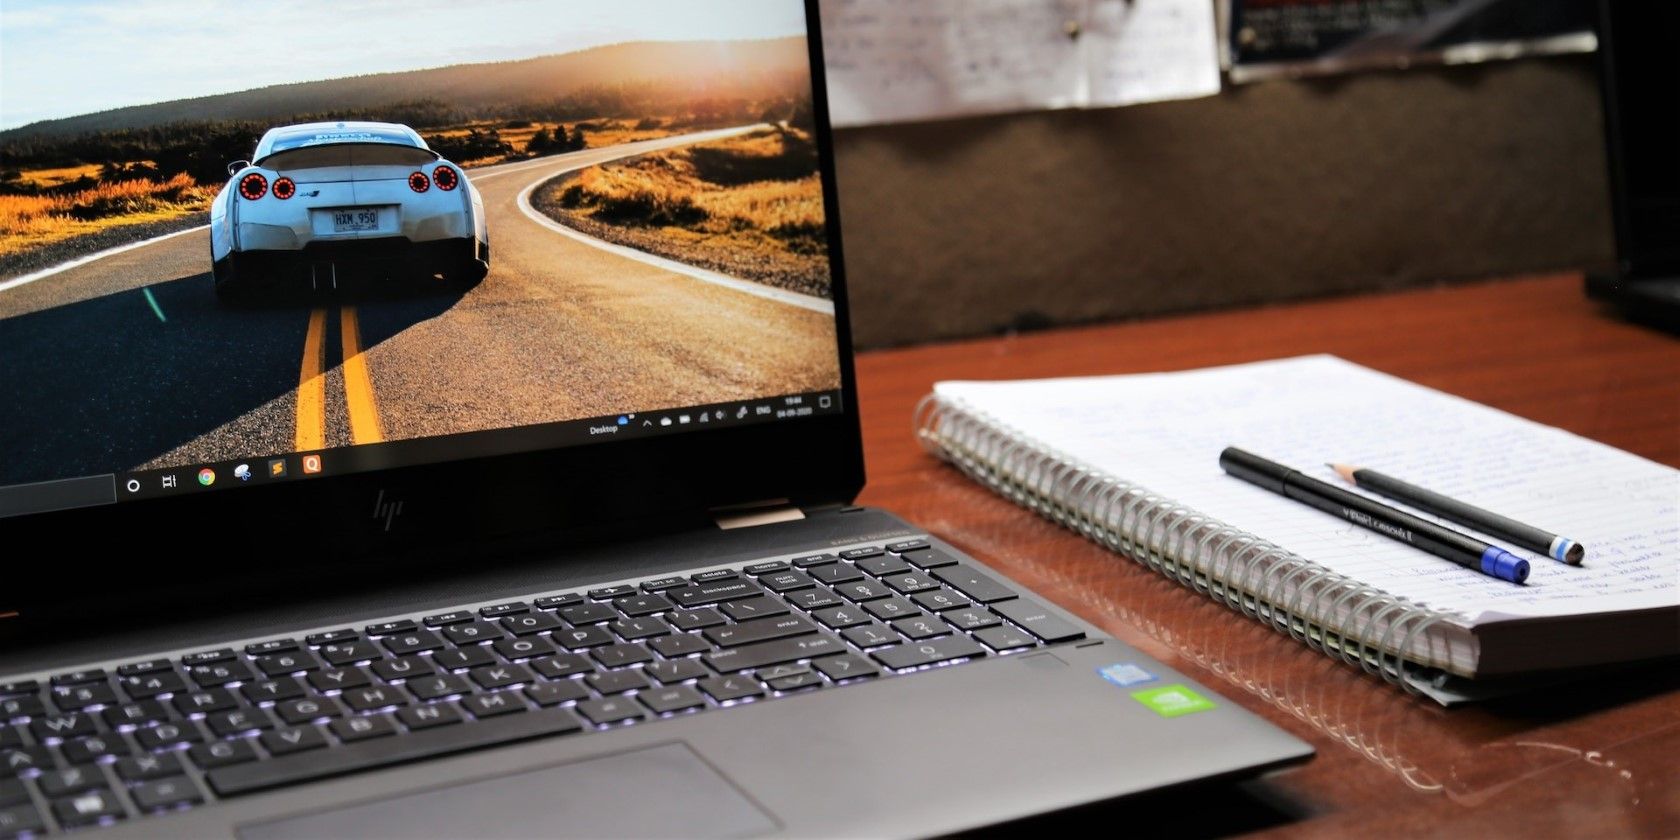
pixel 1267 192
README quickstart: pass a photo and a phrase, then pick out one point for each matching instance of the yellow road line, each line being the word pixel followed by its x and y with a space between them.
pixel 358 388
pixel 312 386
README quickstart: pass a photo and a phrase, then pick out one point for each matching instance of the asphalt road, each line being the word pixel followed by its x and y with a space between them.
pixel 128 362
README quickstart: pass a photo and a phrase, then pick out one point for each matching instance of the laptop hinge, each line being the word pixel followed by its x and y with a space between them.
pixel 753 514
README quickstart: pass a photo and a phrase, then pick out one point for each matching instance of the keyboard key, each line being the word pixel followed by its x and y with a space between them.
pixel 141 768
pixel 750 608
pixel 382 752
pixel 812 599
pixel 761 630
pixel 773 653
pixel 455 659
pixel 622 655
pixel 165 793
pixel 57 783
pixel 810 560
pixel 871 635
pixel 497 676
pixel 564 665
pixel 16 687
pixel 429 715
pixel 863 590
pixel 147 686
pixel 388 628
pixel 860 553
pixel 715 592
pixel 292 740
pixel 271 646
pixel 554 602
pixel 607 593
pixel 350 653
pixel 640 605
pixel 374 697
pixel 16 760
pixel 25 706
pixel 973 583
pixel 838 617
pixel 906 546
pixel 547 694
pixel 403 668
pixel 12 792
pixel 972 618
pixel 281 664
pixel 714 575
pixel 731 687
pixel 1004 637
pixel 615 709
pixel 11 736
pixel 786 581
pixel 888 609
pixel 766 568
pixel 940 599
pixel 617 682
pixel 306 709
pixel 20 818
pixel 676 670
pixel 530 624
pixel 473 632
pixel 917 654
pixel 87 808
pixel 794 682
pixel 582 638
pixel 135 669
pixel 664 583
pixel 514 650
pixel 444 619
pixel 675 698
pixel 645 627
pixel 222 753
pixel 1036 619
pixel 910 582
pixel 78 677
pixel 679 645
pixel 167 735
pixel 73 725
pixel 74 698
pixel 921 627
pixel 237 721
pixel 509 608
pixel 219 673
pixel 273 691
pixel 207 657
pixel 930 559
pixel 836 573
pixel 330 637
pixel 886 564
pixel 131 714
pixel 340 678
pixel 588 614
pixel 695 619
pixel 94 747
pixel 443 685
pixel 419 641
pixel 353 729
pixel 494 704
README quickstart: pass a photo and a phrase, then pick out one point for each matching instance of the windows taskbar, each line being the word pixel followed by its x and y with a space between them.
pixel 90 491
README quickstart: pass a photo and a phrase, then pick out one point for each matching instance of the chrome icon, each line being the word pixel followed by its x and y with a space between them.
pixel 207 476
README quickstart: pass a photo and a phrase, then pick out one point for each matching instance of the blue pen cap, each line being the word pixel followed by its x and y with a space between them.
pixel 1504 565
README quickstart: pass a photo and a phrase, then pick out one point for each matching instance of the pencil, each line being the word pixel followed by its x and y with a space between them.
pixel 1517 533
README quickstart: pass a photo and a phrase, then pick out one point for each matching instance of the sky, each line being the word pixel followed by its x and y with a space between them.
pixel 63 58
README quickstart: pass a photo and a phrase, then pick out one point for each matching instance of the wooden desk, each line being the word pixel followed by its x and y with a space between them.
pixel 1587 761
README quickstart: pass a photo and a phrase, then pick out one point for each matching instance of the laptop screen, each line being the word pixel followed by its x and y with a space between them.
pixel 1640 95
pixel 274 243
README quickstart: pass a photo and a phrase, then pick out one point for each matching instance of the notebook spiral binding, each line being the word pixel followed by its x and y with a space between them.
pixel 1380 633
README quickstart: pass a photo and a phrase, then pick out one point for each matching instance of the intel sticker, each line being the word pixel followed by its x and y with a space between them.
pixel 1125 673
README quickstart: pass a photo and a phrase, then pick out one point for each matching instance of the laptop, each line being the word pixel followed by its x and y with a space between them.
pixel 485 466
pixel 1635 39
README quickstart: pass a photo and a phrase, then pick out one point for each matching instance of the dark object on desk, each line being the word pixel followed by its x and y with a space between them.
pixel 1444 543
pixel 1562 549
pixel 1637 43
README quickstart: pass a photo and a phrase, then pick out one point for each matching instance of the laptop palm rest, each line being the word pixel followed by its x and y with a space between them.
pixel 686 797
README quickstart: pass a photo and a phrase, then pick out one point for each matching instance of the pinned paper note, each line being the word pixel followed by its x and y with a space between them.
pixel 891 61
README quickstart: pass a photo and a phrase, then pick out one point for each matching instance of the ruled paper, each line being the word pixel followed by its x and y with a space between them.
pixel 1165 432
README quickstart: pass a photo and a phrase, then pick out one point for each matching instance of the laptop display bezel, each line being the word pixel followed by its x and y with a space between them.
pixel 307 529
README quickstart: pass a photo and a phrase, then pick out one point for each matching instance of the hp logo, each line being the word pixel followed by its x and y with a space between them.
pixel 388 511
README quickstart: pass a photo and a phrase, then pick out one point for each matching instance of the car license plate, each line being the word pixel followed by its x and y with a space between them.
pixel 354 219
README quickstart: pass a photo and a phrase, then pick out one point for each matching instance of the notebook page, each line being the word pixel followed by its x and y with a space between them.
pixel 1165 432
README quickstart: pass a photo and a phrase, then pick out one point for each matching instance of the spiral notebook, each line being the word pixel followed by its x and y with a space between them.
pixel 1132 462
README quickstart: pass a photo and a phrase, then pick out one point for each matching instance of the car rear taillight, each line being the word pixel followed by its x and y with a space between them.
pixel 253 186
pixel 419 182
pixel 445 178
pixel 284 188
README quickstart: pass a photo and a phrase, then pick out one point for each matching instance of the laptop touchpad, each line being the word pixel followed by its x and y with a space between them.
pixel 663 791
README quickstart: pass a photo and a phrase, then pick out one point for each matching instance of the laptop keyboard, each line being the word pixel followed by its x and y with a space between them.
pixel 92 748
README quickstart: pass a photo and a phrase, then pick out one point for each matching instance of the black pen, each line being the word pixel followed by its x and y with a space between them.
pixel 1558 548
pixel 1445 543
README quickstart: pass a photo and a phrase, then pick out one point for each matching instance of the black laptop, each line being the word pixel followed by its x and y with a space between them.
pixel 484 466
